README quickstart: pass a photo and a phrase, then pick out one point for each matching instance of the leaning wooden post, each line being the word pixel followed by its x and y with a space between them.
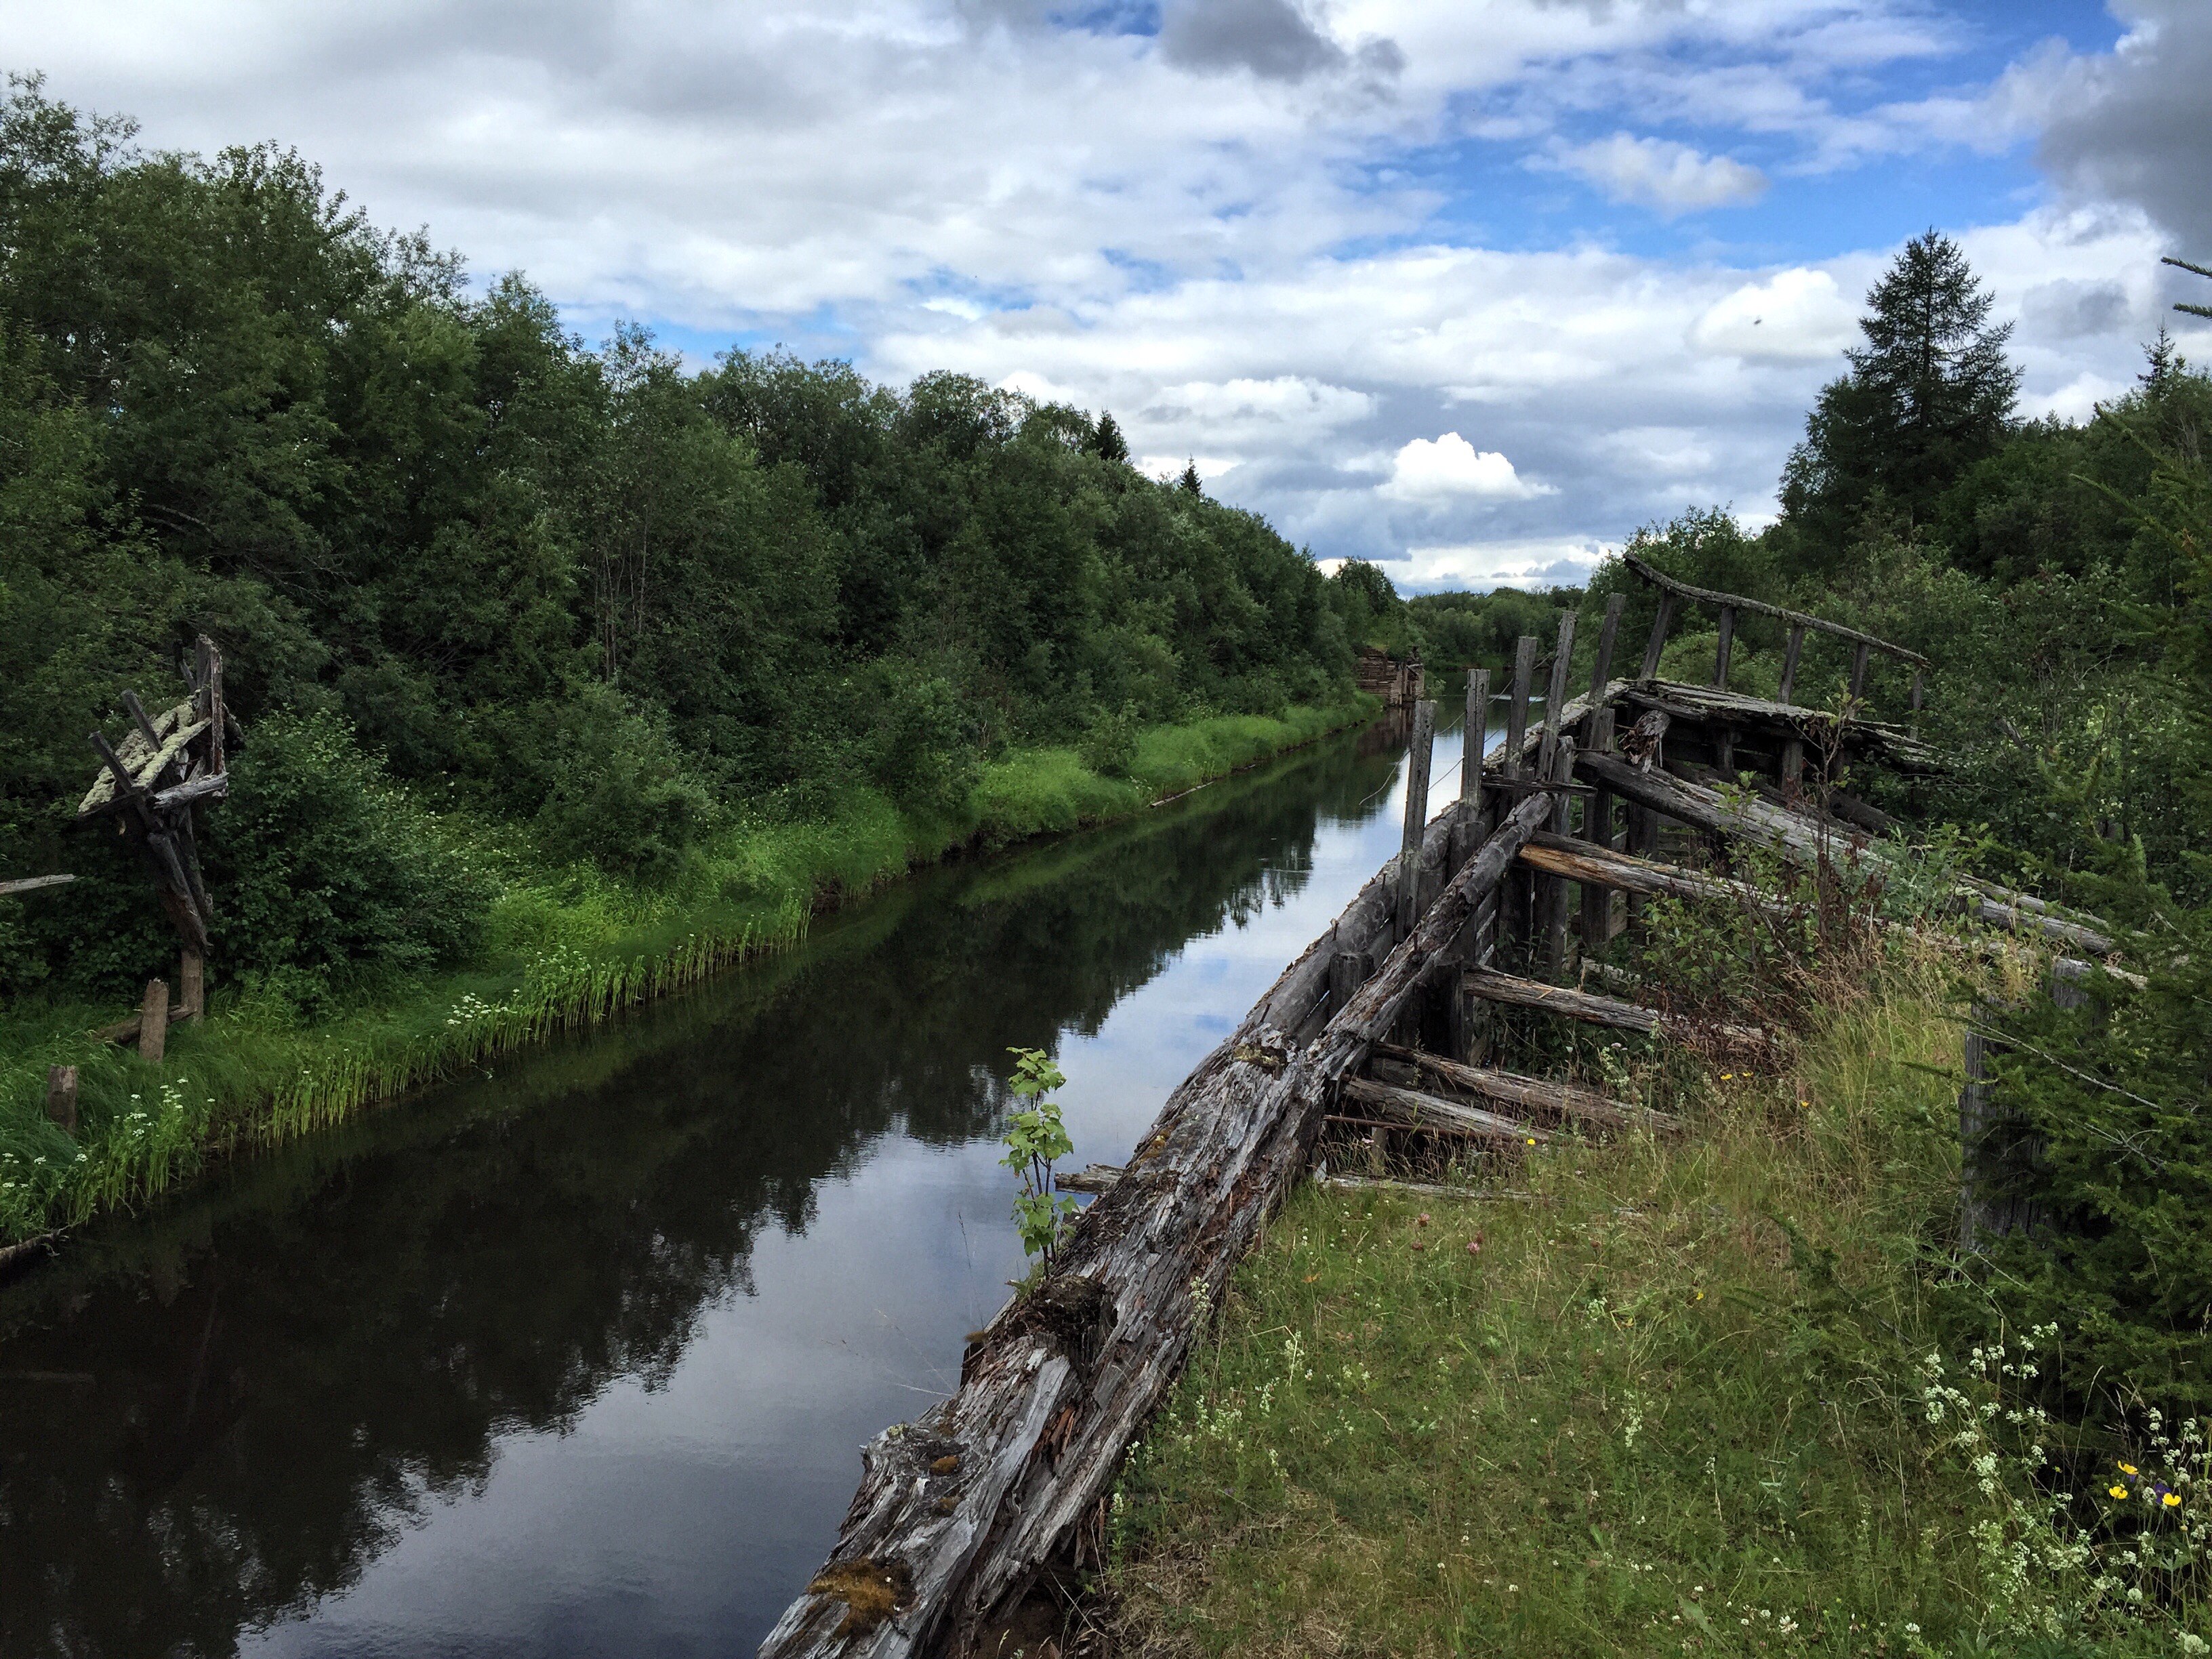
pixel 154 1020
pixel 1790 656
pixel 1858 670
pixel 1601 670
pixel 1417 817
pixel 1555 693
pixel 1517 711
pixel 61 1096
pixel 1477 737
pixel 1727 646
pixel 1660 624
pixel 1919 676
pixel 1597 829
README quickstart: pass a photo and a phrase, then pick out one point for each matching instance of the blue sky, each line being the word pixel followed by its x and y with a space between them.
pixel 1472 289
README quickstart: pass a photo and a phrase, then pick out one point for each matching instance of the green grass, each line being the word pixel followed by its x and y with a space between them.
pixel 563 951
pixel 1674 1405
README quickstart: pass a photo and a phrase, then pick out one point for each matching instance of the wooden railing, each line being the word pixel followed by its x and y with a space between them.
pixel 1671 591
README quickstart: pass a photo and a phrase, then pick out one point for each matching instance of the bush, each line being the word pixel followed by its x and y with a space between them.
pixel 926 758
pixel 615 789
pixel 324 871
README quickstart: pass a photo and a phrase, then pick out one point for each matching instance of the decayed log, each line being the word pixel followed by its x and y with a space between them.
pixel 956 1513
pixel 1092 1178
pixel 1337 1183
pixel 1895 746
pixel 1798 619
pixel 2015 919
pixel 1509 989
pixel 1584 861
pixel 1416 1109
pixel 31 885
pixel 1568 1099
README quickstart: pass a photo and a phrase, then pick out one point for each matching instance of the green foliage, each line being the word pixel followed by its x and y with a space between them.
pixel 1469 630
pixel 615 787
pixel 1036 1138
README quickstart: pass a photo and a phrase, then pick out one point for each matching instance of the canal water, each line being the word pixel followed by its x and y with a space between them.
pixel 575 1357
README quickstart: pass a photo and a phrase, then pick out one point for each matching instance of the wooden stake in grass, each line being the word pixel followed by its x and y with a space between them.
pixel 61 1096
pixel 154 1020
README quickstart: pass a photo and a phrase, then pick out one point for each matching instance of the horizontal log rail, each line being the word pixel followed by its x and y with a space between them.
pixel 1417 1109
pixel 1570 1100
pixel 1683 590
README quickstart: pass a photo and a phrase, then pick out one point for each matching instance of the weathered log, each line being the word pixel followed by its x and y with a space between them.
pixel 1581 861
pixel 1555 693
pixel 1668 585
pixel 1509 989
pixel 1052 1393
pixel 2014 918
pixel 1091 1178
pixel 154 1020
pixel 1542 1094
pixel 61 1097
pixel 31 885
pixel 1416 1109
pixel 1337 1183
pixel 1893 746
pixel 1418 752
pixel 208 787
pixel 1516 710
pixel 1475 738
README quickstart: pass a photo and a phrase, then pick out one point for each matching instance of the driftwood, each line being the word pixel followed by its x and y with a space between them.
pixel 1567 1099
pixel 1417 1110
pixel 958 1513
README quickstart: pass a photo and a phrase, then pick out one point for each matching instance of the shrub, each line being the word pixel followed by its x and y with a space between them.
pixel 615 789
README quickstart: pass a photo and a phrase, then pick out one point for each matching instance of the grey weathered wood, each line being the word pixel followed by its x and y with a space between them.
pixel 1516 710
pixel 1790 655
pixel 206 786
pixel 1418 755
pixel 1093 1178
pixel 1891 745
pixel 191 978
pixel 1554 893
pixel 1555 693
pixel 1610 1012
pixel 1609 636
pixel 1597 831
pixel 1669 586
pixel 1658 643
pixel 137 713
pixel 153 1020
pixel 1053 1391
pixel 1726 646
pixel 126 787
pixel 1416 1109
pixel 1531 1093
pixel 1477 735
pixel 61 1097
pixel 1859 671
pixel 208 699
pixel 31 885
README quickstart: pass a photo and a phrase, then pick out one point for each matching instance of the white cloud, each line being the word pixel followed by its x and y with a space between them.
pixel 1796 314
pixel 1437 469
pixel 1485 565
pixel 1658 173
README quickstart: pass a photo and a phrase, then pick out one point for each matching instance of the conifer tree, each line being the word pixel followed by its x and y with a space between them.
pixel 1107 443
pixel 1189 483
pixel 1929 394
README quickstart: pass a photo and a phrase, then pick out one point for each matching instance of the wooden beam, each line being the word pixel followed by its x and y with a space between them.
pixel 1517 711
pixel 1668 585
pixel 1608 635
pixel 1515 991
pixel 31 885
pixel 1658 643
pixel 1414 1110
pixel 154 1020
pixel 1418 755
pixel 1555 693
pixel 1790 655
pixel 131 706
pixel 1726 646
pixel 1538 1094
pixel 61 1097
pixel 1859 671
pixel 1477 736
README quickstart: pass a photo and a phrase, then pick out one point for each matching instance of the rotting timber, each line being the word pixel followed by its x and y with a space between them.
pixel 961 1513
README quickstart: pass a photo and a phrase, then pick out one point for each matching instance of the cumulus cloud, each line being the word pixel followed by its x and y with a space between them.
pixel 1438 470
pixel 1658 173
pixel 1275 40
pixel 1798 314
pixel 2130 124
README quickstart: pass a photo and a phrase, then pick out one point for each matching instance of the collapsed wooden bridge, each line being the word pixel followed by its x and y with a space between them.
pixel 960 1513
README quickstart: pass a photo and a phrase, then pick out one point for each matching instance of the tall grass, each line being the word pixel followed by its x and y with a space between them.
pixel 566 949
pixel 1651 1396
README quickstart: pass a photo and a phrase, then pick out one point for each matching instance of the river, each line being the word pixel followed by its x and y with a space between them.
pixel 575 1357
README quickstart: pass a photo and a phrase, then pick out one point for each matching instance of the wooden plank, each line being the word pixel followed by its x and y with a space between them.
pixel 1726 646
pixel 206 787
pixel 1859 671
pixel 1538 1094
pixel 1476 737
pixel 1658 643
pixel 1423 1189
pixel 1669 586
pixel 1609 1011
pixel 1608 634
pixel 1555 693
pixel 1553 893
pixel 1418 755
pixel 31 885
pixel 208 699
pixel 131 706
pixel 1415 1110
pixel 61 1097
pixel 1517 711
pixel 192 982
pixel 154 1020
pixel 1790 655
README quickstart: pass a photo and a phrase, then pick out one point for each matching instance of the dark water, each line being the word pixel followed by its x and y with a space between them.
pixel 575 1358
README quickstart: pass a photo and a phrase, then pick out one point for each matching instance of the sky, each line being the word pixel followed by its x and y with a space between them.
pixel 1471 289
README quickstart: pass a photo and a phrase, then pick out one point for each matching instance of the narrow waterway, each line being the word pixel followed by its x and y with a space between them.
pixel 575 1357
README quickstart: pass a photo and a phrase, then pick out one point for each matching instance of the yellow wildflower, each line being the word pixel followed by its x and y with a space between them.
pixel 2127 1469
pixel 2172 1500
pixel 2116 1491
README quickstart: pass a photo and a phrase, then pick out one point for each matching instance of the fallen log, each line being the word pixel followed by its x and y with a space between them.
pixel 1568 1099
pixel 1412 1108
pixel 1336 1183
pixel 1592 1010
pixel 956 1513
pixel 31 885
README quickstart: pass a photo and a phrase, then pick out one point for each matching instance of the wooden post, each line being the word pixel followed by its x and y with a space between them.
pixel 137 713
pixel 1347 972
pixel 1793 760
pixel 1918 679
pixel 61 1096
pixel 1727 646
pixel 209 699
pixel 191 984
pixel 1724 750
pixel 1858 670
pixel 1555 693
pixel 1790 656
pixel 1597 829
pixel 1478 733
pixel 1601 670
pixel 1417 817
pixel 1659 626
pixel 154 1020
pixel 1551 890
pixel 1517 711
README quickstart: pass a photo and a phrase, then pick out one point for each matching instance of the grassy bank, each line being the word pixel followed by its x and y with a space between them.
pixel 565 949
pixel 1683 1396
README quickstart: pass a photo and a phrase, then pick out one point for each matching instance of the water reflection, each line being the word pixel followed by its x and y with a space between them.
pixel 573 1357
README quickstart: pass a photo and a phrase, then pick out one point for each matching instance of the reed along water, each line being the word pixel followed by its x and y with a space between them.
pixel 575 1357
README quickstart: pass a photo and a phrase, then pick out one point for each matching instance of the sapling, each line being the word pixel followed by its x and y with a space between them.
pixel 1035 1138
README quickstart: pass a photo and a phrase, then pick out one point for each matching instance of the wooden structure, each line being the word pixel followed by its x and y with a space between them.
pixel 1376 1025
pixel 1400 685
pixel 150 785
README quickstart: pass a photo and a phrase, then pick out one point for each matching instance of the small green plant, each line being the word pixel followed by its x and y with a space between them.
pixel 1034 1139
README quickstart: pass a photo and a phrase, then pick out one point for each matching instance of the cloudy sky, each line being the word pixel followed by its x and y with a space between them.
pixel 1471 288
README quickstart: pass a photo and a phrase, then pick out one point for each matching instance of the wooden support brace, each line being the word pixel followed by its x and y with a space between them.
pixel 1569 1100
pixel 154 1020
pixel 1417 1110
pixel 1658 641
pixel 1790 655
pixel 1477 736
pixel 1726 646
pixel 1517 711
pixel 1418 757
pixel 1859 671
pixel 1601 670
pixel 1555 693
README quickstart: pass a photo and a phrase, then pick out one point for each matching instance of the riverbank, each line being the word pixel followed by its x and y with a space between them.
pixel 564 951
pixel 1678 1396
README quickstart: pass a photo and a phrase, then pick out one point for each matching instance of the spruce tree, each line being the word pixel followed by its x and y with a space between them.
pixel 1929 394
pixel 1189 482
pixel 1107 442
